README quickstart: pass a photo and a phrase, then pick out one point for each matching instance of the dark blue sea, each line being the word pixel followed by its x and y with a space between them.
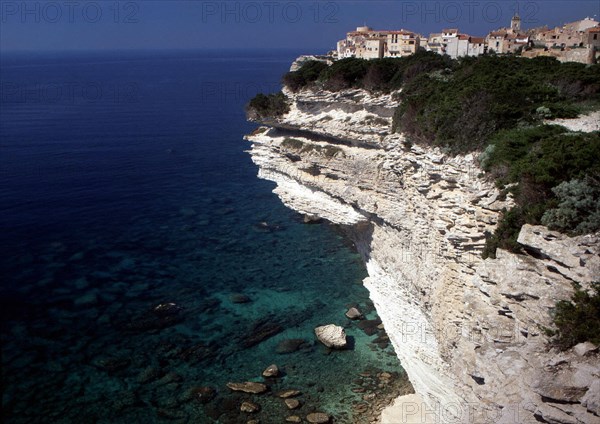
pixel 144 265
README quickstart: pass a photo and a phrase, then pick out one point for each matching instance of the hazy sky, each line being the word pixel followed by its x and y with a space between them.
pixel 311 25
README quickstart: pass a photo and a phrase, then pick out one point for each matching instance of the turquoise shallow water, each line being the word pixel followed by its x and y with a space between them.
pixel 115 206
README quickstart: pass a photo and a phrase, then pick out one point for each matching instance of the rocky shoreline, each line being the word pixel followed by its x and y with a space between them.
pixel 370 391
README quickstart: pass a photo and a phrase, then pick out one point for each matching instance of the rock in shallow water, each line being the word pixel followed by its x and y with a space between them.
pixel 260 331
pixel 288 394
pixel 292 403
pixel 271 371
pixel 312 219
pixel 353 313
pixel 318 418
pixel 249 407
pixel 290 345
pixel 248 387
pixel 332 336
pixel 239 298
pixel 204 394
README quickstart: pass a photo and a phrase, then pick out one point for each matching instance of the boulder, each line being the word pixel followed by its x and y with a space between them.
pixel 566 385
pixel 318 418
pixel 288 394
pixel 591 399
pixel 332 336
pixel 311 219
pixel 293 419
pixel 353 313
pixel 271 371
pixel 248 387
pixel 582 349
pixel 292 403
pixel 249 407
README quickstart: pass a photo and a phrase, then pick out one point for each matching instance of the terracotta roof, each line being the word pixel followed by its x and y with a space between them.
pixel 450 30
pixel 477 40
pixel 463 36
pixel 594 30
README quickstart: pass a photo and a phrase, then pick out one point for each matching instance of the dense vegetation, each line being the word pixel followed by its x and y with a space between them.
pixel 578 320
pixel 462 106
pixel 379 75
pixel 267 106
pixel 554 176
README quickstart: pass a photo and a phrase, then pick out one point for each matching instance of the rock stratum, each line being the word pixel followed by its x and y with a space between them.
pixel 468 331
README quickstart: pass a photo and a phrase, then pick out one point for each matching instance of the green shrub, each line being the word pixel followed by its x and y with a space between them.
pixel 378 75
pixel 579 208
pixel 328 151
pixel 267 106
pixel 578 320
pixel 506 233
pixel 464 105
pixel 292 143
pixel 539 162
pixel 308 73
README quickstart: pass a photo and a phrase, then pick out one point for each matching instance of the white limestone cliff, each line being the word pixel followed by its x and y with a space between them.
pixel 468 331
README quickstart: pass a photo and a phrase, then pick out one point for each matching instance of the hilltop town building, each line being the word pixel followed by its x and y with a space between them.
pixel 577 41
pixel 366 43
pixel 573 42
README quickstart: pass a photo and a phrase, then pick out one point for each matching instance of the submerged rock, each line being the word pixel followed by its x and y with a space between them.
pixel 369 326
pixel 239 298
pixel 165 309
pixel 332 336
pixel 204 394
pixel 248 387
pixel 148 374
pixel 290 345
pixel 111 365
pixel 260 331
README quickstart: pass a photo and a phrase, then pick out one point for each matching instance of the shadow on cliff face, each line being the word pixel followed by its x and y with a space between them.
pixel 361 235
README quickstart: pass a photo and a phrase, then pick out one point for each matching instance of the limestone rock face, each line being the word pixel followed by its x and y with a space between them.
pixel 332 336
pixel 468 331
pixel 591 400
